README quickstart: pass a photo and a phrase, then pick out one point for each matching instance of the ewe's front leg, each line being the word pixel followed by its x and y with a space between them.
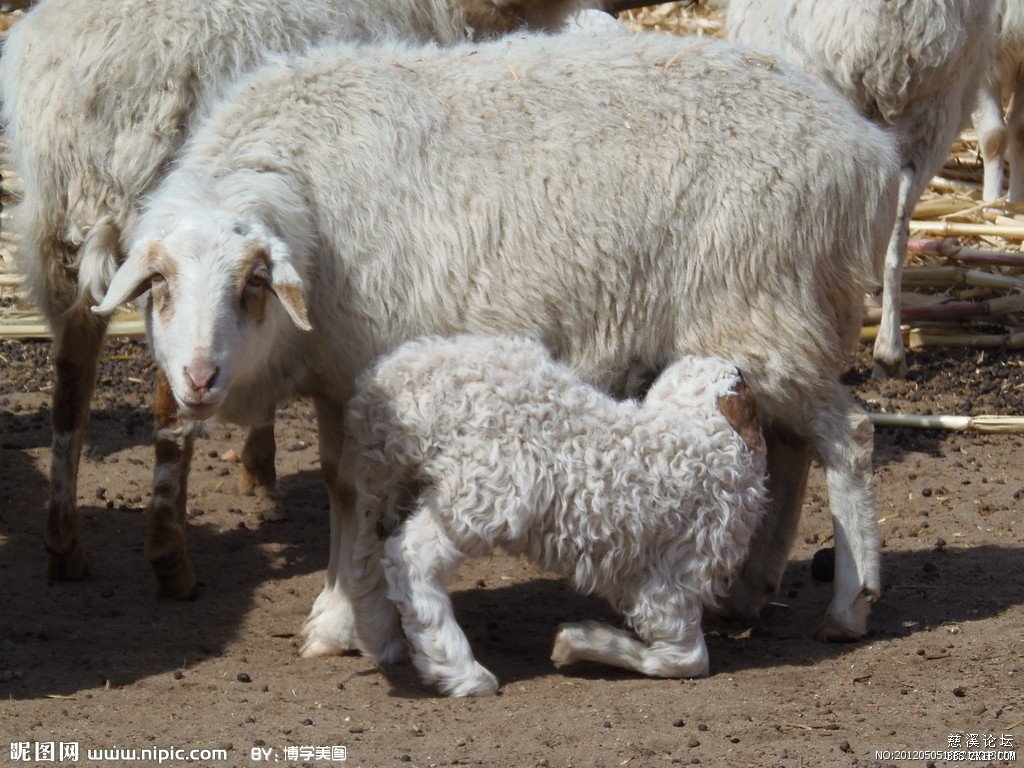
pixel 842 436
pixel 79 339
pixel 789 459
pixel 1015 141
pixel 330 627
pixel 174 439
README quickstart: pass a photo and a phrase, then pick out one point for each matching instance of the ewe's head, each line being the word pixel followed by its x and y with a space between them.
pixel 222 287
pixel 699 386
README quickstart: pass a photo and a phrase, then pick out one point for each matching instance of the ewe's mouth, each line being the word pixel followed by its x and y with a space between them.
pixel 199 409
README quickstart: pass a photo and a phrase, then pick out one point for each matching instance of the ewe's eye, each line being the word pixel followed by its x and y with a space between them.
pixel 157 279
pixel 256 280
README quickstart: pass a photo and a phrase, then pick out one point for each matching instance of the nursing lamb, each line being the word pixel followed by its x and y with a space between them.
pixel 472 443
pixel 626 200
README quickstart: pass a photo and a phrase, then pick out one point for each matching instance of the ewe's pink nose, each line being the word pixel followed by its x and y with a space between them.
pixel 201 374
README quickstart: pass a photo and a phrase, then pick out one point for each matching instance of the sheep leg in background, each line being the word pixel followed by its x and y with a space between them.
pixel 1015 141
pixel 418 559
pixel 842 436
pixel 330 627
pixel 991 130
pixel 78 341
pixel 674 648
pixel 174 438
pixel 789 459
pixel 258 470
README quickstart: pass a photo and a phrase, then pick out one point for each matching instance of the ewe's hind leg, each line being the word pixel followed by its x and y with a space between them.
pixel 79 339
pixel 330 627
pixel 1015 141
pixel 166 550
pixel 789 459
pixel 842 436
pixel 669 625
pixel 889 352
pixel 258 470
pixel 417 560
pixel 991 130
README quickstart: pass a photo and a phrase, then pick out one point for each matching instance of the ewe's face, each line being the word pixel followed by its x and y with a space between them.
pixel 220 290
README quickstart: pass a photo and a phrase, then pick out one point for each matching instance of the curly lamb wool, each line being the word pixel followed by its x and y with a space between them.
pixel 485 442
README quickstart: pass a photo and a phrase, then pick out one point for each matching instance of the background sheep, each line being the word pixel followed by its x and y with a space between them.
pixel 625 200
pixel 1004 81
pixel 464 445
pixel 94 111
pixel 910 65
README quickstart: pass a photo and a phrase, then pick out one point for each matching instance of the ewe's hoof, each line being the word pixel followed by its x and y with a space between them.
pixel 174 576
pixel 69 565
pixel 895 370
pixel 252 485
pixel 329 630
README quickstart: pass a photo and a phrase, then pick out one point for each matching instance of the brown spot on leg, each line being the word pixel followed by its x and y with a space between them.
pixel 740 410
pixel 258 469
pixel 77 349
pixel 165 544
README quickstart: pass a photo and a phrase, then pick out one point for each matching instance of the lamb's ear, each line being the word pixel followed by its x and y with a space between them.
pixel 131 280
pixel 287 285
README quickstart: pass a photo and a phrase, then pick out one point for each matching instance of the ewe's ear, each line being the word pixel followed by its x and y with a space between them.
pixel 131 280
pixel 287 285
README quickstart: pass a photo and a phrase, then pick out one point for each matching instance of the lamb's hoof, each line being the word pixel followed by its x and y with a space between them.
pixel 894 370
pixel 330 630
pixel 479 683
pixel 563 652
pixel 67 565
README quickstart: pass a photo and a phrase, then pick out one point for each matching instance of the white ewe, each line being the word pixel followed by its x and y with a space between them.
pixel 626 200
pixel 912 66
pixel 97 98
pixel 999 138
pixel 461 446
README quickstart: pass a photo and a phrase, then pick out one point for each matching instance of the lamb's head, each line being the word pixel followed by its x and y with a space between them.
pixel 222 287
pixel 698 386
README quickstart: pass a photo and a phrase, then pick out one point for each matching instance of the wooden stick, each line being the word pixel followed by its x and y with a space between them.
pixel 962 254
pixel 1003 305
pixel 985 424
pixel 32 326
pixel 958 276
pixel 959 229
pixel 919 338
pixel 618 6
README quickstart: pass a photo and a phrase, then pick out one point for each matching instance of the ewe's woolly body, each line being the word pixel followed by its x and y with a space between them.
pixel 573 187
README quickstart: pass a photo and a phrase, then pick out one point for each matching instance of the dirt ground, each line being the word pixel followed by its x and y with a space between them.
pixel 105 664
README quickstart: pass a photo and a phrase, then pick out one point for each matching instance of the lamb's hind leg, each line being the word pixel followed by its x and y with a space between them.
pixel 166 549
pixel 418 557
pixel 674 644
pixel 79 338
pixel 842 436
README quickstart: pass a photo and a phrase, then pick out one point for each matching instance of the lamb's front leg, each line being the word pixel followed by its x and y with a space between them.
pixel 418 558
pixel 330 627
